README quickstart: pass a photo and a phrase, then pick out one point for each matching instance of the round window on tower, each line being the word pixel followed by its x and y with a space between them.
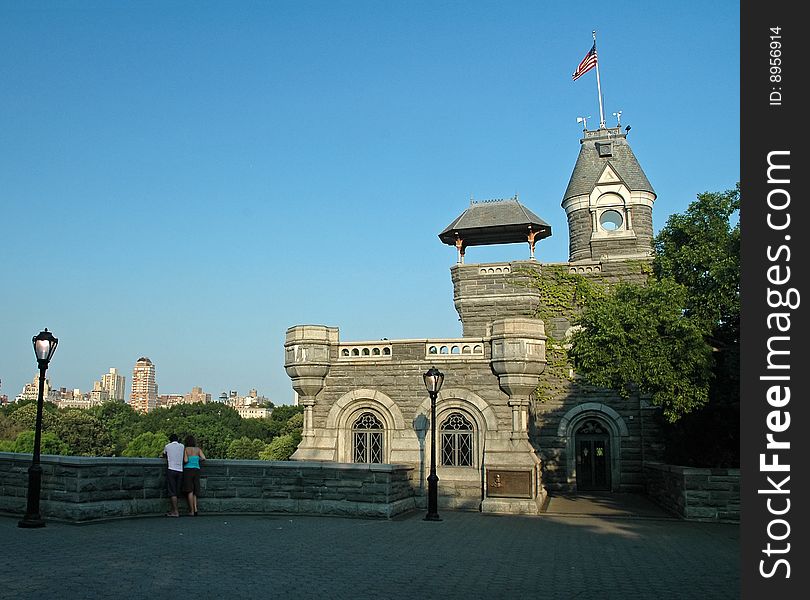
pixel 611 220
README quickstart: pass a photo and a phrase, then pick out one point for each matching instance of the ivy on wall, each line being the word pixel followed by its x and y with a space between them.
pixel 563 297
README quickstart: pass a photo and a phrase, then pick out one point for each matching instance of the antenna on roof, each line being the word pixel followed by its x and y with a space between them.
pixel 584 121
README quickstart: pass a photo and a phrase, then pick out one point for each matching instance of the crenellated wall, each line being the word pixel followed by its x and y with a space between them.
pixel 79 489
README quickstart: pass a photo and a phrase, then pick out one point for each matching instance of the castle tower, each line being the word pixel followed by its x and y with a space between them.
pixel 608 201
pixel 486 292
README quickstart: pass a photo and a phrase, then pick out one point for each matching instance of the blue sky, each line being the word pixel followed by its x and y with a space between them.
pixel 186 180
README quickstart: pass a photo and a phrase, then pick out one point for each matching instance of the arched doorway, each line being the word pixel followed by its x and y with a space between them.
pixel 592 443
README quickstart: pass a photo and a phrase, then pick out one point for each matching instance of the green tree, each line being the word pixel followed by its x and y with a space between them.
pixel 146 445
pixel 84 434
pixel 9 429
pixel 700 249
pixel 214 425
pixel 26 416
pixel 284 412
pixel 295 424
pixel 120 421
pixel 262 429
pixel 245 448
pixel 281 448
pixel 638 339
pixel 48 443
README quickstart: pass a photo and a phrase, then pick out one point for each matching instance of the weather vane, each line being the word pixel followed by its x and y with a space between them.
pixel 584 121
pixel 618 116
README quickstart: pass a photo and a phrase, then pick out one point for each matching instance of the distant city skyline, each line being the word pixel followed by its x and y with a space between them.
pixel 122 393
pixel 185 185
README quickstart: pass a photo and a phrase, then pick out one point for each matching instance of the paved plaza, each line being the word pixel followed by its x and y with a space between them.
pixel 579 549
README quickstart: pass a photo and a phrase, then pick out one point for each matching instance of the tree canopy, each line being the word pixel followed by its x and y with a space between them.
pixel 638 339
pixel 700 249
pixel 146 445
pixel 114 429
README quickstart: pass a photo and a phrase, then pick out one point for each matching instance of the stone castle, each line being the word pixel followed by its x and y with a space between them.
pixel 500 447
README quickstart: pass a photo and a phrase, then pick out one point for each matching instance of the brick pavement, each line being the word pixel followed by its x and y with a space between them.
pixel 467 555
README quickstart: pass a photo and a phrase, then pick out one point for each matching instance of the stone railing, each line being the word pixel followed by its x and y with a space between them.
pixel 80 489
pixel 463 348
pixel 449 348
pixel 364 351
pixel 693 493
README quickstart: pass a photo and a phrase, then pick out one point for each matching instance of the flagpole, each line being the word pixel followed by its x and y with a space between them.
pixel 599 88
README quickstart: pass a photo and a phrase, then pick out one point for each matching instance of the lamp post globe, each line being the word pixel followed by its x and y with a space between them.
pixel 44 347
pixel 433 383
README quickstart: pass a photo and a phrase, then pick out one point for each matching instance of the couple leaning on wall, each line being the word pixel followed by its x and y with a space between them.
pixel 183 472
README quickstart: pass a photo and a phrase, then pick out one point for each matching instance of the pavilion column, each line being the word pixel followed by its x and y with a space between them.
pixel 460 247
pixel 532 241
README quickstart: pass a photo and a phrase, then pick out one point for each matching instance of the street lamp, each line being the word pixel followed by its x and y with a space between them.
pixel 44 347
pixel 433 382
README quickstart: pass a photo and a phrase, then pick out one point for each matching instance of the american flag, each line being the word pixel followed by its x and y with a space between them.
pixel 588 63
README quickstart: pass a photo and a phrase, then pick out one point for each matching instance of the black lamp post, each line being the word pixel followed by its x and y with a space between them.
pixel 433 382
pixel 44 347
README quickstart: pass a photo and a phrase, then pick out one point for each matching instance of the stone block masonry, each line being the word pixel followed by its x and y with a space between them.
pixel 483 291
pixel 695 494
pixel 80 489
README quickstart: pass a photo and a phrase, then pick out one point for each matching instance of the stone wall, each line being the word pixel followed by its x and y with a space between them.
pixel 485 292
pixel 695 494
pixel 636 432
pixel 642 225
pixel 579 234
pixel 82 489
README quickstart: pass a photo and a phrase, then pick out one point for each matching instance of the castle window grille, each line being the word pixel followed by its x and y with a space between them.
pixel 457 441
pixel 367 435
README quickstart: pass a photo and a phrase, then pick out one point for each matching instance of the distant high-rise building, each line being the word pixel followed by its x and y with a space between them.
pixel 197 395
pixel 30 391
pixel 144 388
pixel 98 395
pixel 114 384
pixel 169 400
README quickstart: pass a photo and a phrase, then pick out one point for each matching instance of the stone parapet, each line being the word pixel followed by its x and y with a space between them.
pixel 80 489
pixel 485 292
pixel 695 494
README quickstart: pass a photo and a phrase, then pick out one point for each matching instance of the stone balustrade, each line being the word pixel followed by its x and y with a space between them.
pixel 79 489
pixel 444 348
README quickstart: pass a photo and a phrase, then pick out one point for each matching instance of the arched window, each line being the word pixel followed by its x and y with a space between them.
pixel 457 441
pixel 367 438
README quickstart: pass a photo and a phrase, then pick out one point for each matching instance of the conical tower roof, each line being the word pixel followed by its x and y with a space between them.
pixel 599 149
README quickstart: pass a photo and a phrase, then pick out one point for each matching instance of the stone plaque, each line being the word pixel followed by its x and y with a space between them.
pixel 509 484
